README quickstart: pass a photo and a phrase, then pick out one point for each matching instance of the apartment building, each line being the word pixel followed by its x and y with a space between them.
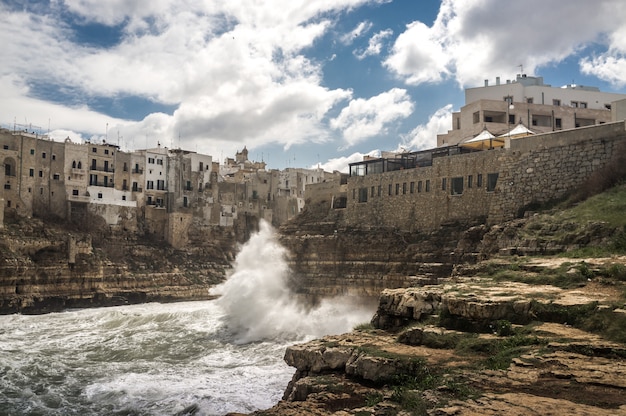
pixel 528 101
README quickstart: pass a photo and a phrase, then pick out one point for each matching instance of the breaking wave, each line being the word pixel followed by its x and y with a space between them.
pixel 259 305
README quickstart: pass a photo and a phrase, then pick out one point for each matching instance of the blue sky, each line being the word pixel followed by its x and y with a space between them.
pixel 298 82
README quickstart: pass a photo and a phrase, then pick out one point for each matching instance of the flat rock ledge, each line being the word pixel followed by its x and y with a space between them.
pixel 469 348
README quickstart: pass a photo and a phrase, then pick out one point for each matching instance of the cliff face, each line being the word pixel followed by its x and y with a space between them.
pixel 329 259
pixel 48 267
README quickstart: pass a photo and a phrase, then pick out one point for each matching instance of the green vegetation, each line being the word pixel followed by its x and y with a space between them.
pixel 498 352
pixel 365 326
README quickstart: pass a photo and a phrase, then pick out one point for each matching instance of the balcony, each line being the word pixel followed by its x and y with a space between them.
pixel 80 172
pixel 102 169
pixel 78 198
pixel 137 171
pixel 102 184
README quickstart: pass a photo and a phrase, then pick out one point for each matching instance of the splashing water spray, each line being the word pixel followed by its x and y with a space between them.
pixel 259 304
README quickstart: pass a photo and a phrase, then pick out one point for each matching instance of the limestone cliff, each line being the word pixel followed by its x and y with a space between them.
pixel 48 267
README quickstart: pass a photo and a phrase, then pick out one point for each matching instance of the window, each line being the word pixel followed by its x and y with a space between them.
pixel 55 176
pixel 151 160
pixel 124 185
pixel 32 151
pixel 41 173
pixel 419 187
pixel 372 191
pixel 397 189
pixel 558 123
pixel 427 185
pixel 470 179
pixel 80 165
pixel 161 185
pixel 412 187
pixel 583 105
pixel 125 167
pixel 201 167
pixel 529 100
pixel 7 186
pixel 73 164
pixel 574 104
pixel 479 180
pixel 511 118
pixel 123 197
pixel 100 195
pixel 135 187
pixel 444 183
pixel 509 99
pixel 390 189
pixel 106 151
pixel 188 186
pixel 150 185
pixel 54 157
pixel 380 190
pixel 43 155
pixel 159 161
pixel 476 117
pixel 31 172
pixel 93 164
pixel 362 194
pixel 492 180
pixel 149 200
pixel 5 147
pixel 556 102
pixel 456 186
pixel 404 188
pixel 184 202
pixel 75 192
pixel 94 150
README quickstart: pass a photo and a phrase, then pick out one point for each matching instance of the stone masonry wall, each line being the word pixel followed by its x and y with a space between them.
pixel 540 171
pixel 418 199
pixel 457 188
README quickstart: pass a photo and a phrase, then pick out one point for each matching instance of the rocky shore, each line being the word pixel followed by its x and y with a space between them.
pixel 476 345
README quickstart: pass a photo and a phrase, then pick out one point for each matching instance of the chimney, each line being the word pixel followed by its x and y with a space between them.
pixel 497 80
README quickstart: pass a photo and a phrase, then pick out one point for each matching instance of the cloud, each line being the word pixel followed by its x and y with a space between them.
pixel 471 41
pixel 424 136
pixel 375 44
pixel 363 119
pixel 355 33
pixel 341 163
pixel 235 71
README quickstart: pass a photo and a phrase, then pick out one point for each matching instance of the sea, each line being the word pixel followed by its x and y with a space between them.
pixel 188 358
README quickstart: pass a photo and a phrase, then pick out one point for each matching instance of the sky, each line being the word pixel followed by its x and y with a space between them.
pixel 299 83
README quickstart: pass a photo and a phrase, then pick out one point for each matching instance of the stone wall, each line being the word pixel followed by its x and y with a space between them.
pixel 423 198
pixel 487 186
pixel 543 168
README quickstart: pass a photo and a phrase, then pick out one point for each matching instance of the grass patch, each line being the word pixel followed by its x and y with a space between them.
pixel 499 352
pixel 365 326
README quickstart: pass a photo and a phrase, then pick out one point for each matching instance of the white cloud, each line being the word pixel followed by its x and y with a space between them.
pixel 341 163
pixel 482 39
pixel 375 44
pixel 424 136
pixel 355 33
pixel 363 119
pixel 235 70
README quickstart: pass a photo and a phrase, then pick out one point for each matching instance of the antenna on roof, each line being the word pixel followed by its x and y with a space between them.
pixel 521 69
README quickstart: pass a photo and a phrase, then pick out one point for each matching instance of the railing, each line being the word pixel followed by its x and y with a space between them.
pixel 102 169
pixel 137 171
